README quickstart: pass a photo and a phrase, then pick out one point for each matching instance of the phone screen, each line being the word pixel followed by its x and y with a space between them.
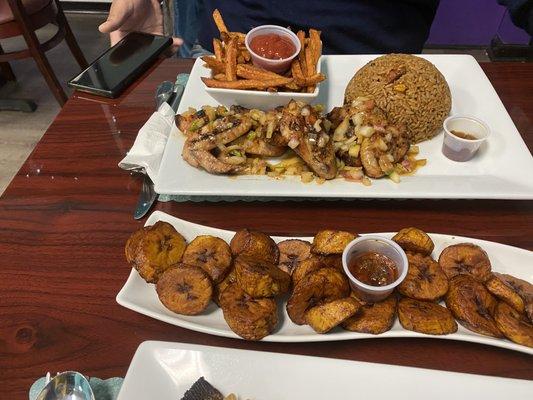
pixel 121 64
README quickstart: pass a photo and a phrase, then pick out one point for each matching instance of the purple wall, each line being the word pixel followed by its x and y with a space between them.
pixel 473 22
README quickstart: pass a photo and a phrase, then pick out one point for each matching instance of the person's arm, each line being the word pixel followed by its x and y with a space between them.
pixel 521 12
pixel 134 15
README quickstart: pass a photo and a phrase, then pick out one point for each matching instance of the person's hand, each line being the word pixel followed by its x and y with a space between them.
pixel 134 15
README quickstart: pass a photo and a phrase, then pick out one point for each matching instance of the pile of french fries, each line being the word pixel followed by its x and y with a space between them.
pixel 232 67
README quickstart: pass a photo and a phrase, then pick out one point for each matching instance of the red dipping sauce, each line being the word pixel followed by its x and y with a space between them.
pixel 272 46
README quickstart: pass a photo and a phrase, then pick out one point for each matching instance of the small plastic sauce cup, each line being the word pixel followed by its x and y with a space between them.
pixel 380 245
pixel 459 149
pixel 277 66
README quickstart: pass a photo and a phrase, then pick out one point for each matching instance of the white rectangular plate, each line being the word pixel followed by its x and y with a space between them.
pixel 497 171
pixel 141 297
pixel 164 370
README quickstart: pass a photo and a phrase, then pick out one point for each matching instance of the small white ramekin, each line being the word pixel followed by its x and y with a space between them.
pixel 277 66
pixel 380 245
pixel 459 149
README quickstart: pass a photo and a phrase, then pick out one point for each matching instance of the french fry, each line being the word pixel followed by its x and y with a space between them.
pixel 309 80
pixel 217 47
pixel 231 60
pixel 246 83
pixel 220 77
pixel 301 55
pixel 239 35
pixel 219 22
pixel 315 44
pixel 297 73
pixel 215 65
pixel 311 67
pixel 252 72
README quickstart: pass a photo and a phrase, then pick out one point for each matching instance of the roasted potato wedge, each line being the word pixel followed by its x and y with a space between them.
pixel 503 291
pixel 415 240
pixel 159 248
pixel 322 286
pixel 523 288
pixel 325 317
pixel 425 279
pixel 259 278
pixel 472 305
pixel 230 278
pixel 210 253
pixel 514 325
pixel 254 244
pixel 465 258
pixel 291 253
pixel 425 317
pixel 250 318
pixel 329 242
pixel 185 289
pixel 132 244
pixel 373 318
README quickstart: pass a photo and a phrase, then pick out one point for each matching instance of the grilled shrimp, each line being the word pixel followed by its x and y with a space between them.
pixel 222 131
pixel 206 160
pixel 373 157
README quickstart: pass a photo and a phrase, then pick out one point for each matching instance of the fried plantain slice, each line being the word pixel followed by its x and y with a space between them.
pixel 425 317
pixel 159 248
pixel 328 242
pixel 503 291
pixel 465 258
pixel 514 325
pixel 185 289
pixel 472 305
pixel 210 253
pixel 218 289
pixel 325 317
pixel 250 318
pixel 373 318
pixel 314 263
pixel 324 285
pixel 291 253
pixel 254 244
pixel 259 278
pixel 415 240
pixel 425 279
pixel 524 290
pixel 132 244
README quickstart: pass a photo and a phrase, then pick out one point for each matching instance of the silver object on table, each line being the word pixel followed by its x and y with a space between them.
pixel 163 92
pixel 147 198
pixel 148 195
pixel 69 385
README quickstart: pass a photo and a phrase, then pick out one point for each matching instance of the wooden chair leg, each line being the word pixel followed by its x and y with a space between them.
pixel 5 69
pixel 71 39
pixel 38 54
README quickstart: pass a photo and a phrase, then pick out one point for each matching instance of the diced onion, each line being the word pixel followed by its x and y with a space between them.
pixel 317 125
pixel 306 177
pixel 293 143
pixel 322 140
pixel 305 111
pixel 366 131
pixel 354 150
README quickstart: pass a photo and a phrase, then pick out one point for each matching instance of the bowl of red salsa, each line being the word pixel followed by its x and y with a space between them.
pixel 272 47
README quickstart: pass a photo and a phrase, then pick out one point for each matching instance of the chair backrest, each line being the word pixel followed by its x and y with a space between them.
pixel 33 21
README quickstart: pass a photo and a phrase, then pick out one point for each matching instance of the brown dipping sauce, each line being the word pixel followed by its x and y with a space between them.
pixel 373 269
pixel 272 46
pixel 463 135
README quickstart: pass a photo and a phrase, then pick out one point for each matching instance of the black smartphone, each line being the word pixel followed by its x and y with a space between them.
pixel 119 66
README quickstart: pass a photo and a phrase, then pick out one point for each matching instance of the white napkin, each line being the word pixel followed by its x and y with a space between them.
pixel 147 151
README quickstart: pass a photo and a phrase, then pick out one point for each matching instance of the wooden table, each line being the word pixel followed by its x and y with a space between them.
pixel 66 215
